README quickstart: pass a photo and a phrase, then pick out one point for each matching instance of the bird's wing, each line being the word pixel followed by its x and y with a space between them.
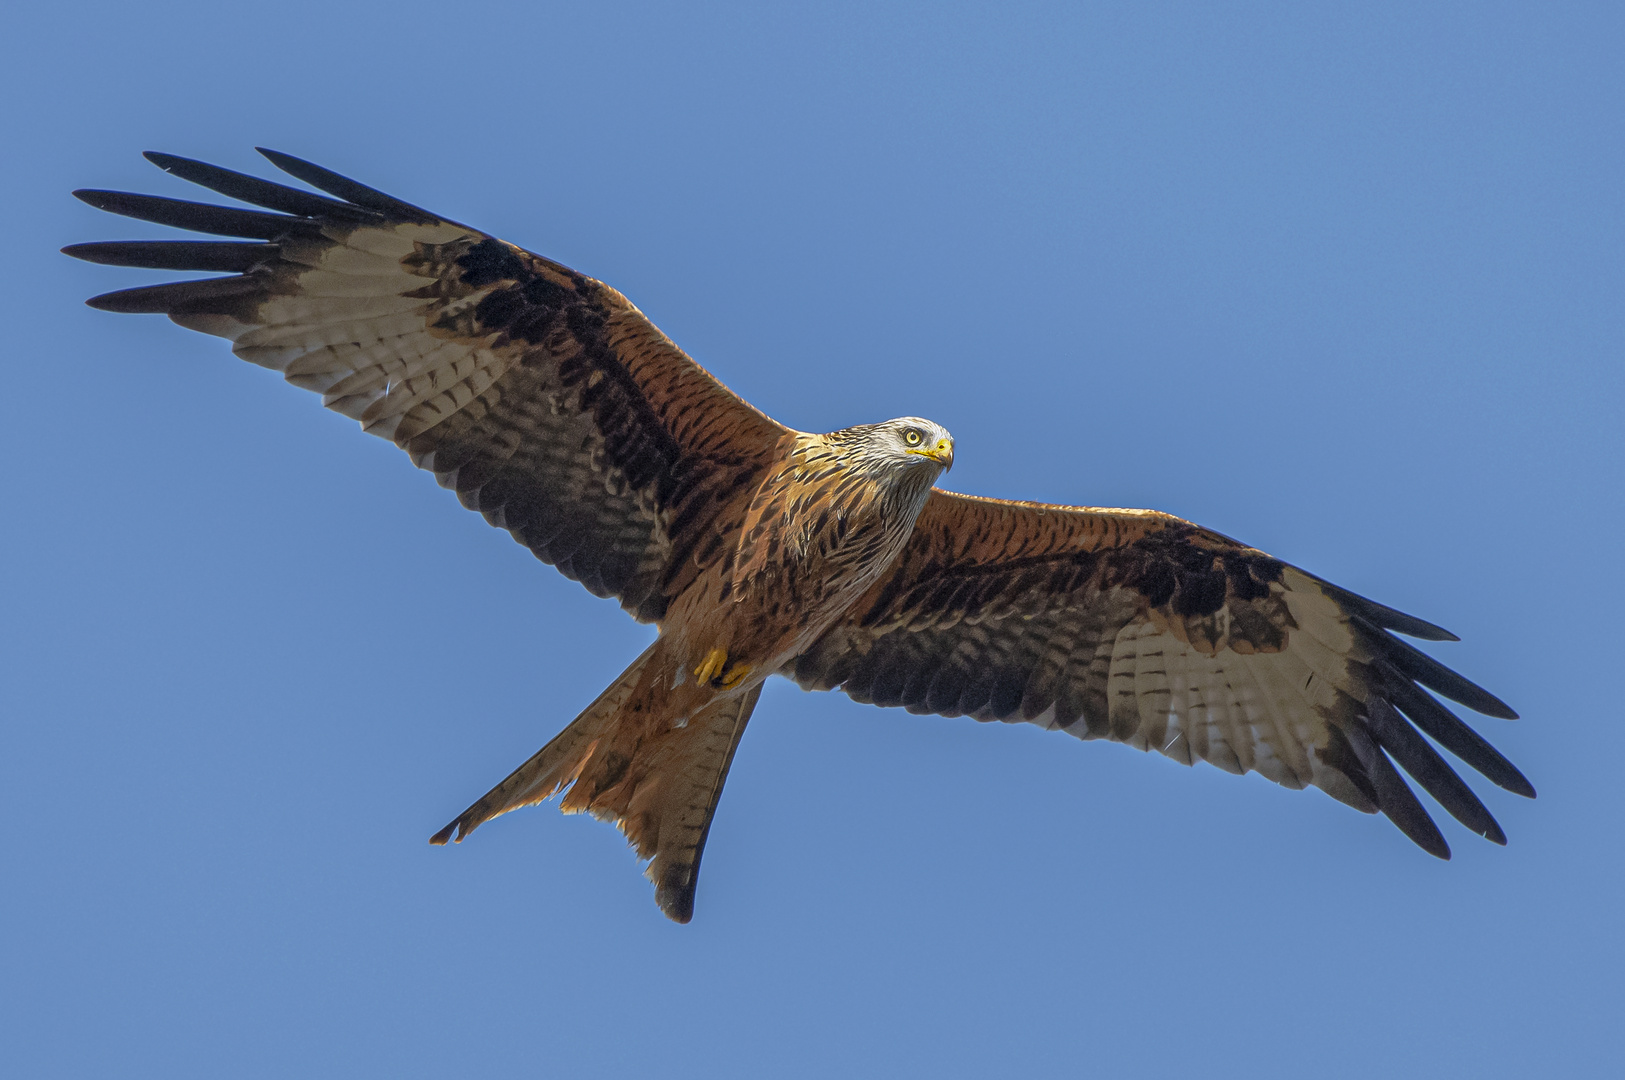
pixel 543 397
pixel 1142 628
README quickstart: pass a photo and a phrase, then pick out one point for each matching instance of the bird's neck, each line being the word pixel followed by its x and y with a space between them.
pixel 820 511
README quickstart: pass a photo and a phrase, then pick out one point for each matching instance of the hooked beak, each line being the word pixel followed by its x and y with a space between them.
pixel 942 453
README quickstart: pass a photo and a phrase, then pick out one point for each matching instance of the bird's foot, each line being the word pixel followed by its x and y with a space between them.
pixel 715 662
pixel 714 670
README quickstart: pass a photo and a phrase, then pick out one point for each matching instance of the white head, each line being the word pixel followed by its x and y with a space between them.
pixel 905 456
pixel 908 442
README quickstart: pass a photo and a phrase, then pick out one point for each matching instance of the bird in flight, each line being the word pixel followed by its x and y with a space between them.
pixel 552 406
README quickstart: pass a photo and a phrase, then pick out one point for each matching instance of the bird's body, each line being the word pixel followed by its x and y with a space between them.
pixel 816 533
pixel 552 406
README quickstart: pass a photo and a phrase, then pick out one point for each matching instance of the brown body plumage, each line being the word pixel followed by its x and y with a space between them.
pixel 817 531
pixel 551 405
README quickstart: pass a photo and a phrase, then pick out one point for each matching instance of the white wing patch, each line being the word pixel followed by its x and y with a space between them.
pixel 349 329
pixel 1243 712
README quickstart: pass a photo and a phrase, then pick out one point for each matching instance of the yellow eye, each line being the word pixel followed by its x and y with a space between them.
pixel 913 437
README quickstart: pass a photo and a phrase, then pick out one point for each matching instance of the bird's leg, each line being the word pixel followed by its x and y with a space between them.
pixel 714 670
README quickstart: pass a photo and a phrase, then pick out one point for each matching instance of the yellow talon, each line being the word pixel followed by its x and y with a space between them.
pixel 714 670
pixel 712 666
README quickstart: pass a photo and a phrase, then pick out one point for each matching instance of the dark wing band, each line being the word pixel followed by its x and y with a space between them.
pixel 1145 629
pixel 543 397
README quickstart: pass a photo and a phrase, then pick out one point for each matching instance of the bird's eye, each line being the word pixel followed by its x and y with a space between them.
pixel 913 437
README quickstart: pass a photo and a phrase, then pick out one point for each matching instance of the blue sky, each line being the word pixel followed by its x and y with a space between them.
pixel 1343 284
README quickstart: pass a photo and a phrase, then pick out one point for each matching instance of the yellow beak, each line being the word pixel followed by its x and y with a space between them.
pixel 942 453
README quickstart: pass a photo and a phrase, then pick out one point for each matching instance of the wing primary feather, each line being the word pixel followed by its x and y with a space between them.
pixel 345 188
pixel 1430 673
pixel 175 297
pixel 1407 747
pixel 1386 617
pixel 199 217
pixel 253 189
pixel 222 255
pixel 1453 733
pixel 1395 798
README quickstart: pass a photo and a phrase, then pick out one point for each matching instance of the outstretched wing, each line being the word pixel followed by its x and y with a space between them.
pixel 543 397
pixel 1142 628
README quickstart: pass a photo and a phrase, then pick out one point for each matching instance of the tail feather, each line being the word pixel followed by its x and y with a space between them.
pixel 671 825
pixel 660 789
pixel 556 765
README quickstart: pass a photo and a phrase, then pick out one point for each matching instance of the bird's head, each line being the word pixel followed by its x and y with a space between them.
pixel 905 456
pixel 915 443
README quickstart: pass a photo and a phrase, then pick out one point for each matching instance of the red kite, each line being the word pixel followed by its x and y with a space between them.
pixel 552 406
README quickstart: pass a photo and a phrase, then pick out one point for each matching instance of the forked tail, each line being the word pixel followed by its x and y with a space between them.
pixel 661 790
pixel 555 766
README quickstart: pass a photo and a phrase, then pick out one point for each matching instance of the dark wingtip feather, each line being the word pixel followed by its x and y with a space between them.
pixel 344 188
pixel 1417 757
pixel 1407 813
pixel 1386 617
pixel 260 192
pixel 199 217
pixel 122 304
pixel 1515 781
pixel 1418 665
pixel 222 255
pixel 1441 852
pixel 1456 736
pixel 1394 798
pixel 174 297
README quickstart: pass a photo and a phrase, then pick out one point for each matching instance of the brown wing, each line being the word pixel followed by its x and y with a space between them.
pixel 1142 628
pixel 543 397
